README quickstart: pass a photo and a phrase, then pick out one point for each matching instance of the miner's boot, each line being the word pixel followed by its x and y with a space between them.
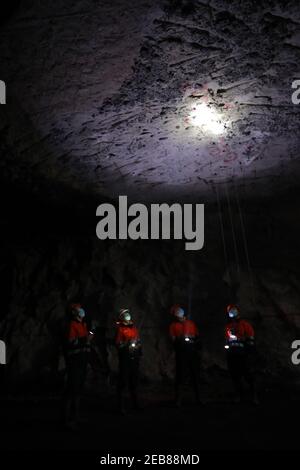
pixel 68 417
pixel 66 412
pixel 178 396
pixel 135 400
pixel 239 391
pixel 77 418
pixel 197 395
pixel 121 403
pixel 254 397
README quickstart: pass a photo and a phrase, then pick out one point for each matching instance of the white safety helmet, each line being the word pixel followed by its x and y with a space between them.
pixel 124 315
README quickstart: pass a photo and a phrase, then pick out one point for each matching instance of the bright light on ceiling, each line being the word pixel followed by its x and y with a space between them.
pixel 207 118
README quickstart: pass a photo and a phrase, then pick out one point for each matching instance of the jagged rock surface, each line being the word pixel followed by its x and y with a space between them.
pixel 105 104
pixel 40 278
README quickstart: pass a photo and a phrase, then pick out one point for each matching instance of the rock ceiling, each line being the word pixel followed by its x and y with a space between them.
pixel 103 96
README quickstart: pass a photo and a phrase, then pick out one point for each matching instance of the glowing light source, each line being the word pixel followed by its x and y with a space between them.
pixel 207 118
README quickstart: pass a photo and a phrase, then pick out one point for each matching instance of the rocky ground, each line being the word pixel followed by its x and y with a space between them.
pixel 219 425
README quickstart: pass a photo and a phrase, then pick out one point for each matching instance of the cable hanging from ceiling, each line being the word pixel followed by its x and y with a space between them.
pixel 234 274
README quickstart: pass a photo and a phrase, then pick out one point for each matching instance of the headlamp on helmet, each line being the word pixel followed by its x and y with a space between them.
pixel 125 315
pixel 178 312
pixel 233 311
pixel 77 310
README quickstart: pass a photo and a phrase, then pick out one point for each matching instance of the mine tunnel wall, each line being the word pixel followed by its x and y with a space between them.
pixel 42 273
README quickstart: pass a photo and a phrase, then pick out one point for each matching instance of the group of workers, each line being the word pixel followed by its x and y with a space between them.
pixel 184 334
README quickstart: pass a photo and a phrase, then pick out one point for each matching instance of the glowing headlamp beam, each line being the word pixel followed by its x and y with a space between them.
pixel 205 117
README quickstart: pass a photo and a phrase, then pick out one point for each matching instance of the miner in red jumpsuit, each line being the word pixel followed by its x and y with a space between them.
pixel 239 346
pixel 128 344
pixel 185 337
pixel 77 347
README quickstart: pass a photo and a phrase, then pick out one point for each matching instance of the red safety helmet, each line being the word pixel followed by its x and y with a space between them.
pixel 75 306
pixel 177 311
pixel 233 311
pixel 77 310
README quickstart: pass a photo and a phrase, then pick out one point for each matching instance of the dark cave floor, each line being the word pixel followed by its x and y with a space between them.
pixel 33 424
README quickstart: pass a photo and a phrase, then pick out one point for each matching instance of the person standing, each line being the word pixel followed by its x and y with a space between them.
pixel 2 366
pixel 239 346
pixel 77 348
pixel 185 337
pixel 128 344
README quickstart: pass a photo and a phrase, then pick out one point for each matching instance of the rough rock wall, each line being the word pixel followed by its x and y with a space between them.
pixel 40 277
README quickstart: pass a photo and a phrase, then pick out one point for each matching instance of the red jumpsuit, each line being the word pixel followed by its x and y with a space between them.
pixel 181 330
pixel 77 356
pixel 239 333
pixel 239 343
pixel 184 335
pixel 77 348
pixel 126 334
pixel 129 351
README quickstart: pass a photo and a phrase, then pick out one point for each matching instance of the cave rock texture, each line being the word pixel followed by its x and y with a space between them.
pixel 40 279
pixel 100 96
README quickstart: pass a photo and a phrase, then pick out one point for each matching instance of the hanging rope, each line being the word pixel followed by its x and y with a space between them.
pixel 190 292
pixel 245 242
pixel 233 231
pixel 221 225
